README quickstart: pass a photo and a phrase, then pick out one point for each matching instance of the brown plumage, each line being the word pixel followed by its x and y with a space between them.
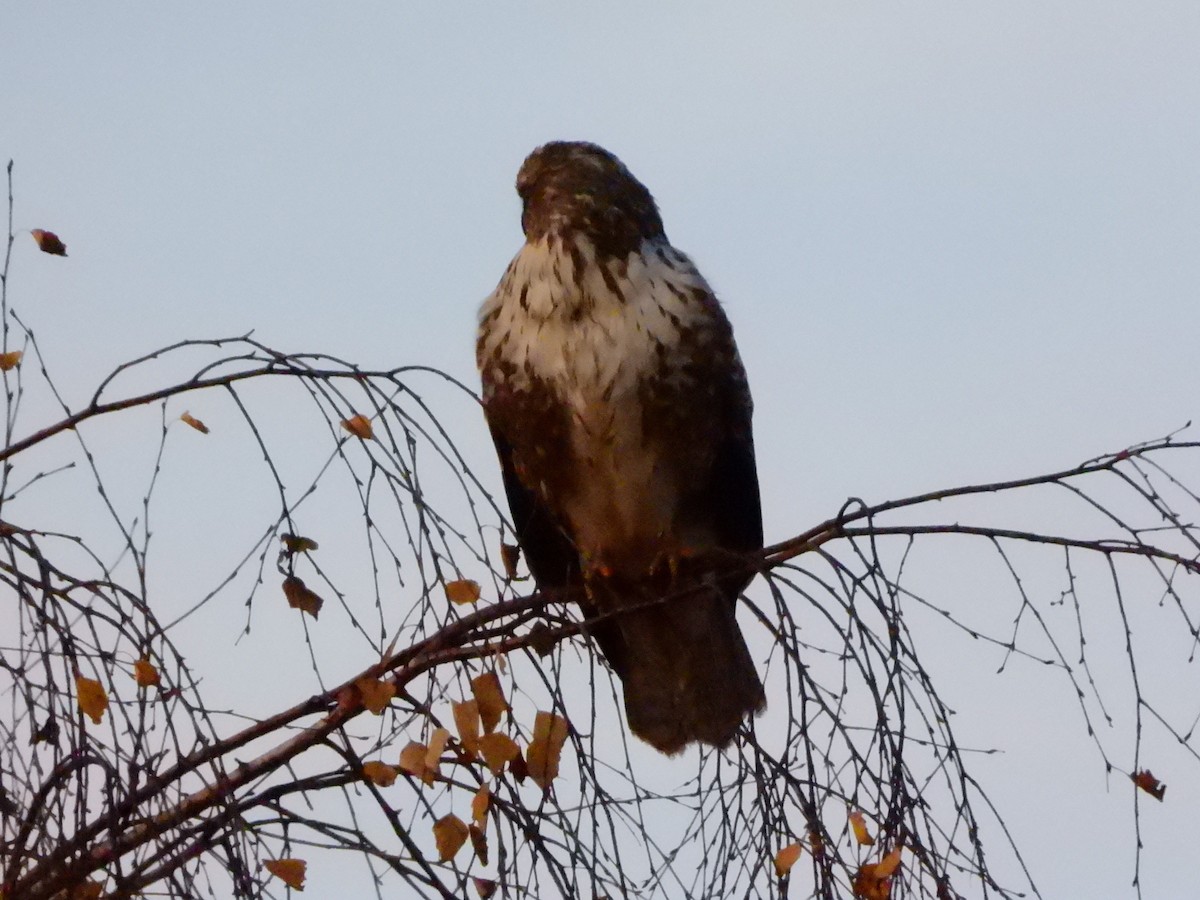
pixel 621 416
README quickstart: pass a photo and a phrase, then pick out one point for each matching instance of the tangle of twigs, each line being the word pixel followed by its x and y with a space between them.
pixel 171 792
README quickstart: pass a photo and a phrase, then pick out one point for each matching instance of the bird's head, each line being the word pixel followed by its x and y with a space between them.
pixel 573 188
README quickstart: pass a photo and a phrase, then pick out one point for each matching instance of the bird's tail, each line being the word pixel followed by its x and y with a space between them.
pixel 688 673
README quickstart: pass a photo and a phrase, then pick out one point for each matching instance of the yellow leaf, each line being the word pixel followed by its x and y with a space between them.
pixel 359 426
pixel 887 866
pixel 376 694
pixel 490 698
pixel 873 881
pixel 479 843
pixel 48 242
pixel 462 591
pixel 450 833
pixel 498 750
pixel 300 597
pixel 466 720
pixel 379 773
pixel 860 828
pixel 188 419
pixel 290 871
pixel 10 360
pixel 786 858
pixel 484 887
pixel 91 698
pixel 294 543
pixel 542 757
pixel 1150 784
pixel 479 805
pixel 144 673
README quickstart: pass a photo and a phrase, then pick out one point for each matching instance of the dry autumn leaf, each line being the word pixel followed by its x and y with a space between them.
pixel 484 887
pixel 48 242
pixel 90 696
pixel 490 697
pixel 10 360
pixel 859 826
pixel 450 833
pixel 300 597
pixel 498 750
pixel 518 769
pixel 376 694
pixel 873 881
pixel 479 805
pixel 145 674
pixel 1149 784
pixel 545 750
pixel 412 761
pixel 816 843
pixel 290 871
pixel 478 843
pixel 88 890
pixel 379 773
pixel 466 720
pixel 188 419
pixel 359 426
pixel 462 591
pixel 295 543
pixel 786 858
pixel 510 555
pixel 433 754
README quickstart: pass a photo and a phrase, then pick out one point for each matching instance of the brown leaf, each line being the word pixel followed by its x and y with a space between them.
pixel 466 720
pixel 412 761
pixel 479 805
pixel 462 591
pixel 510 556
pixel 816 843
pixel 295 543
pixel 359 426
pixel 433 754
pixel 498 750
pixel 450 833
pixel 786 858
pixel 542 639
pixel 145 674
pixel 87 890
pixel 484 887
pixel 1149 784
pixel 92 700
pixel 490 697
pixel 300 597
pixel 376 694
pixel 291 872
pixel 379 773
pixel 859 827
pixel 188 419
pixel 478 842
pixel 542 757
pixel 518 767
pixel 48 242
pixel 10 360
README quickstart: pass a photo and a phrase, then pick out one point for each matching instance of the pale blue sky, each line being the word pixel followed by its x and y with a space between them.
pixel 958 241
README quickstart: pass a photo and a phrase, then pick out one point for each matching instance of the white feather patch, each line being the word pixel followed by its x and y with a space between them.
pixel 580 336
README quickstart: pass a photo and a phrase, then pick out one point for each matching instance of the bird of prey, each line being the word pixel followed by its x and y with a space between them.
pixel 621 415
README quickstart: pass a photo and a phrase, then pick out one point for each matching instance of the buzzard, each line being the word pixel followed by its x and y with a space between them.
pixel 621 415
